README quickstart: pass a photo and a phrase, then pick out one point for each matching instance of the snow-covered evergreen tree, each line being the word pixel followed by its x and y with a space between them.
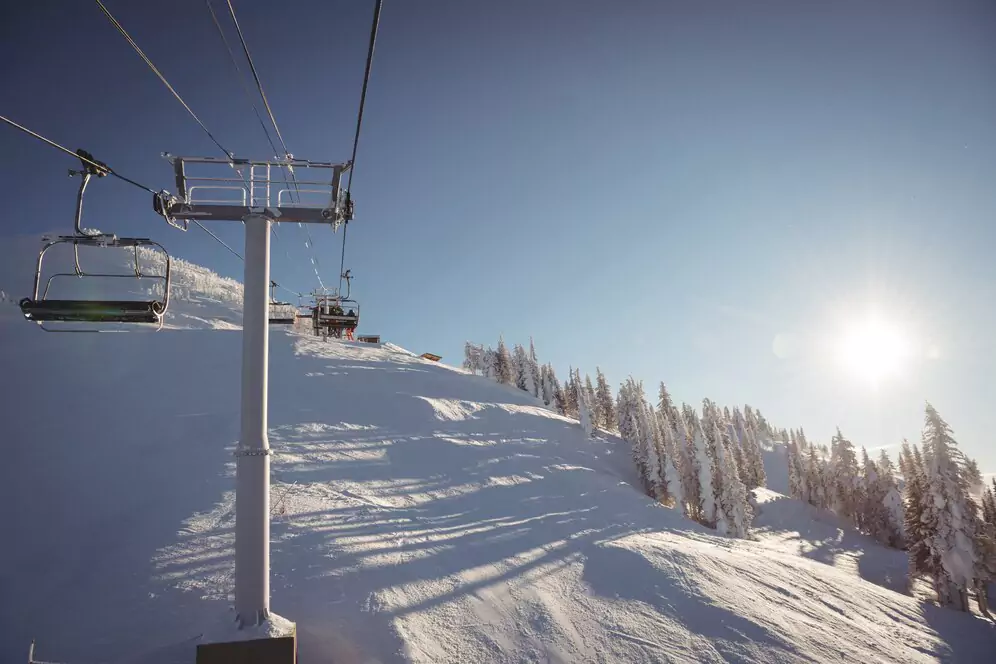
pixel 892 500
pixel 605 409
pixel 571 395
pixel 585 416
pixel 685 451
pixel 545 390
pixel 815 479
pixel 844 495
pixel 702 464
pixel 489 364
pixel 533 377
pixel 503 366
pixel 733 514
pixel 473 358
pixel 520 366
pixel 951 512
pixel 921 559
pixel 559 398
pixel 795 474
pixel 672 478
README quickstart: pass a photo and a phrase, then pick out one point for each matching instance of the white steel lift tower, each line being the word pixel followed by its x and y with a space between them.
pixel 257 193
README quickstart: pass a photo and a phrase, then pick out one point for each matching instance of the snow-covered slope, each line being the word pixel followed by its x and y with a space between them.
pixel 419 514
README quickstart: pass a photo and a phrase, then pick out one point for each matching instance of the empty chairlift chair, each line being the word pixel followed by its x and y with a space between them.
pixel 281 313
pixel 42 309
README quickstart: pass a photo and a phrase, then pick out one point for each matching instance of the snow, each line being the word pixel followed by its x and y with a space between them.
pixel 420 513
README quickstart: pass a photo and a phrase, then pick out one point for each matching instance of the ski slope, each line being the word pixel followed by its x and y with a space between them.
pixel 419 514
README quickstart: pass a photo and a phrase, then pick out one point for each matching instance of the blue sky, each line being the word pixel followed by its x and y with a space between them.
pixel 658 188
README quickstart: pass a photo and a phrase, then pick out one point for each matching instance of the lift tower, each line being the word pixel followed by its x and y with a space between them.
pixel 257 193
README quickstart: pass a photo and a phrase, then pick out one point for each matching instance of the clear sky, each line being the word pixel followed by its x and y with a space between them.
pixel 707 194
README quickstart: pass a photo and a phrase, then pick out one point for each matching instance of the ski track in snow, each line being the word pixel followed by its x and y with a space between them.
pixel 418 514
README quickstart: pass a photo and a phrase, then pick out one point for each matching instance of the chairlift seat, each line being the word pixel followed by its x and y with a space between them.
pixel 282 321
pixel 92 311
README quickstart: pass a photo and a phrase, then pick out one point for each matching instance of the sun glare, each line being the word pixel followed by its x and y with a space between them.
pixel 873 350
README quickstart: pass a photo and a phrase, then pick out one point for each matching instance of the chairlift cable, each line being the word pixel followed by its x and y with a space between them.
pixel 238 71
pixel 359 123
pixel 363 92
pixel 162 78
pixel 217 239
pixel 255 75
pixel 102 167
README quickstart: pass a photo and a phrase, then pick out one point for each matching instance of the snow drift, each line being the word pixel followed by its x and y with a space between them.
pixel 419 514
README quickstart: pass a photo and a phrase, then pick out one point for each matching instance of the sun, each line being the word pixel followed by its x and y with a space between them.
pixel 873 349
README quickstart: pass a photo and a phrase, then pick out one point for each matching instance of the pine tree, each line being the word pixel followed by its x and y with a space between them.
pixel 733 515
pixel 921 560
pixel 685 446
pixel 796 478
pixel 559 398
pixel 473 358
pixel 503 365
pixel 754 476
pixel 489 364
pixel 951 513
pixel 605 409
pixel 702 463
pixel 571 395
pixel 545 391
pixel 843 478
pixel 814 479
pixel 520 367
pixel 989 506
pixel 584 409
pixel 892 500
pixel 973 476
pixel 534 379
pixel 672 476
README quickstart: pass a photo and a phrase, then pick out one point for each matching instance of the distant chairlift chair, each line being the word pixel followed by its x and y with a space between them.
pixel 281 313
pixel 42 309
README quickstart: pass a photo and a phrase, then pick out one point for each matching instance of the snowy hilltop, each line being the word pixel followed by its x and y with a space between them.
pixel 419 513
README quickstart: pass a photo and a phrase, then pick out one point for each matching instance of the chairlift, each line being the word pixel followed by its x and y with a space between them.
pixel 336 314
pixel 42 309
pixel 281 313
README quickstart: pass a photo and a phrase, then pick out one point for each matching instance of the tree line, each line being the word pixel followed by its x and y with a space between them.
pixel 937 507
pixel 705 465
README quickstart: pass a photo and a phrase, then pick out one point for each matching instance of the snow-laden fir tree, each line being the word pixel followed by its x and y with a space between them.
pixel 503 365
pixel 685 449
pixel 702 463
pixel 989 505
pixel 678 439
pixel 735 514
pixel 520 366
pixel 533 378
pixel 585 416
pixel 892 500
pixel 571 395
pixel 545 389
pixel 672 479
pixel 489 364
pixel 559 398
pixel 815 479
pixel 842 479
pixel 629 429
pixel 605 408
pixel 796 476
pixel 753 470
pixel 473 358
pixel 922 562
pixel 950 512
pixel 588 390
pixel 874 515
